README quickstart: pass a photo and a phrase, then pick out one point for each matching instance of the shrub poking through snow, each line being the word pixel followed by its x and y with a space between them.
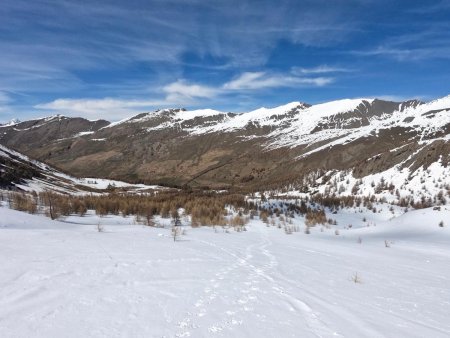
pixel 315 216
pixel 23 202
pixel 356 278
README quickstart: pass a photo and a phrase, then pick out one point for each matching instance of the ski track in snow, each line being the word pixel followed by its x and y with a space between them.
pixel 66 279
pixel 261 279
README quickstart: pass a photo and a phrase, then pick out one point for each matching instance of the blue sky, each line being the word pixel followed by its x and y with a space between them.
pixel 110 59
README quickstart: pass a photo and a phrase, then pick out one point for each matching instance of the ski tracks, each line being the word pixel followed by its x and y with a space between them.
pixel 250 280
pixel 216 295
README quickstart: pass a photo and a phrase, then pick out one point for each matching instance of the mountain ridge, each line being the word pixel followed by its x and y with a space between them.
pixel 264 147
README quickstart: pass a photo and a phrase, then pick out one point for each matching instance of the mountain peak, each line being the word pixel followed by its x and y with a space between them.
pixel 12 122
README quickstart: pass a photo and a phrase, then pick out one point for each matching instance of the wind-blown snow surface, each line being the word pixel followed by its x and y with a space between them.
pixel 66 279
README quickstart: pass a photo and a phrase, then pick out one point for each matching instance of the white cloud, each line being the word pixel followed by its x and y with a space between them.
pixel 178 93
pixel 397 53
pixel 317 81
pixel 107 108
pixel 47 53
pixel 261 80
pixel 182 91
pixel 247 80
pixel 322 69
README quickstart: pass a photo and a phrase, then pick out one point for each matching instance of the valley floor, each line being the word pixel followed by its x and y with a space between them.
pixel 66 279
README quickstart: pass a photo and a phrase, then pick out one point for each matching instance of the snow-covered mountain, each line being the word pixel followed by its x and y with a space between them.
pixel 11 122
pixel 264 148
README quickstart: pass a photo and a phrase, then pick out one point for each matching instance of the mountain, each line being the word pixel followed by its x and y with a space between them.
pixel 12 122
pixel 18 172
pixel 49 129
pixel 285 146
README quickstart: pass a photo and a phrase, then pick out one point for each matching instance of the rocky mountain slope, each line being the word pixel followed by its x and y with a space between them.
pixel 18 172
pixel 260 149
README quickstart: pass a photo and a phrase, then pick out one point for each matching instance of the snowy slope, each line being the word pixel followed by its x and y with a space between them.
pixel 295 124
pixel 261 117
pixel 47 178
pixel 415 118
pixel 175 117
pixel 67 279
pixel 431 184
pixel 10 123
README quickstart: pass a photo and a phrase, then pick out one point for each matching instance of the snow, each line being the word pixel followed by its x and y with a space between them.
pixel 176 117
pixel 10 123
pixel 300 129
pixel 77 186
pixel 117 123
pixel 262 117
pixel 63 183
pixel 420 185
pixel 338 106
pixel 64 278
pixel 83 133
pixel 438 104
pixel 42 121
pixel 192 114
pixel 240 120
pixel 5 151
pixel 101 183
pixel 426 183
pixel 297 129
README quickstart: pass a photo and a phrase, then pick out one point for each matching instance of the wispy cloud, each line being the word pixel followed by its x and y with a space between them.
pixel 420 43
pixel 181 91
pixel 261 80
pixel 108 108
pixel 408 54
pixel 322 69
pixel 4 98
pixel 159 53
pixel 64 38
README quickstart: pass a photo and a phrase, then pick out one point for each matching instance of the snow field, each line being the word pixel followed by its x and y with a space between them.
pixel 64 278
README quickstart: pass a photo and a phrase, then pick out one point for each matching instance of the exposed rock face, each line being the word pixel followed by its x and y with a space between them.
pixel 257 149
